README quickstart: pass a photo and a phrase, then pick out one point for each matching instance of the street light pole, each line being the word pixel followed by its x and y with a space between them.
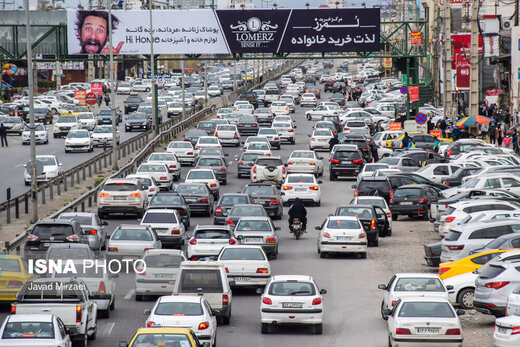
pixel 183 91
pixel 155 115
pixel 30 85
pixel 115 167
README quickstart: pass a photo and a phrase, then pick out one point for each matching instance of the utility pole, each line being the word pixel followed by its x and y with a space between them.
pixel 447 102
pixel 90 63
pixel 474 77
pixel 112 91
pixel 183 91
pixel 155 114
pixel 32 127
pixel 437 96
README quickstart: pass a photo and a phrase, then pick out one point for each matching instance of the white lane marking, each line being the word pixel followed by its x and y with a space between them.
pixel 130 294
pixel 108 328
pixel 20 165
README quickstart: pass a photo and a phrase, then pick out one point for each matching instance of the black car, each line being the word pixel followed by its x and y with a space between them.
pixel 43 115
pixel 455 180
pixel 374 186
pixel 373 218
pixel 48 231
pixel 105 116
pixel 172 201
pixel 346 162
pixel 314 90
pixel 246 162
pixel 420 156
pixel 132 103
pixel 361 142
pixel 339 98
pixel 208 126
pixel 137 121
pixel 247 126
pixel 217 164
pixel 244 210
pixel 193 135
pixel 198 197
pixel 335 120
pixel 400 179
pixel 432 253
pixel 327 87
pixel 268 196
pixel 413 200
pixel 336 87
pixel 226 203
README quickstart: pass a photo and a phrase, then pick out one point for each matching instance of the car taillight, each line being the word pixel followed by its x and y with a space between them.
pixel 173 166
pixel 262 270
pixel 456 247
pixel 13 309
pixel 334 161
pixel 254 169
pixel 216 134
pixel 449 153
pixel 270 240
pixel 163 178
pixel 104 195
pixel 313 139
pixel 232 241
pixel 113 249
pixel 150 324
pixel 276 138
pixel 422 200
pixel 204 200
pixel 254 125
pixel 79 313
pixel 213 185
pixel 317 301
pixel 176 231
pixel 230 222
pixel 198 147
pixel 283 170
pixel 151 190
pixel 392 201
pixel 102 289
pixel 193 241
pixel 267 301
pixel 181 212
pixel 138 195
pixel 236 135
pixel 388 215
pixel 268 154
pixel 390 193
pixel 240 163
pixel 516 330
pixel 314 188
pixel 362 236
pixel 356 193
pixel 218 210
pixel 189 153
pixel 73 238
pixel 372 224
pixel 287 187
pixel 326 235
pixel 203 325
pixel 225 299
pixel 449 219
pixel 14 284
pixel 443 270
pixel 357 161
pixel 496 285
pixel 453 331
pixel 290 130
pixel 274 202
pixel 32 238
pixel 290 163
pixel 447 183
pixel 403 331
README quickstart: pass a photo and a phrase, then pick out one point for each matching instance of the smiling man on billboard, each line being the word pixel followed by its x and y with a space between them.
pixel 92 32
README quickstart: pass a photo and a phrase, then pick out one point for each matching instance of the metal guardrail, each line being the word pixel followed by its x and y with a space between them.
pixel 169 130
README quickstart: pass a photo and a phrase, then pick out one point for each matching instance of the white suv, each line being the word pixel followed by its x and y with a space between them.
pixel 122 196
pixel 268 170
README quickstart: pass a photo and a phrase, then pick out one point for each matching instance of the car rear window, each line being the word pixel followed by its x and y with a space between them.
pixel 200 175
pixel 132 235
pixel 426 309
pixel 300 179
pixel 247 211
pixel 419 284
pixel 212 234
pixel 210 162
pixel 163 260
pixel 249 156
pixel 404 192
pixel 356 211
pixel 242 254
pixel 490 271
pixel 373 185
pixel 160 199
pixel 230 200
pixel 159 217
pixel 253 225
pixel 260 190
pixel 343 224
pixel 453 235
pixel 349 155
pixel 191 189
pixel 179 309
pixel 28 330
pixel 269 162
pixel 120 187
pixel 292 288
pixel 200 281
pixel 82 220
pixel 47 230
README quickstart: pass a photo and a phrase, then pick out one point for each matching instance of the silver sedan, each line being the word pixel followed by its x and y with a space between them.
pixel 130 242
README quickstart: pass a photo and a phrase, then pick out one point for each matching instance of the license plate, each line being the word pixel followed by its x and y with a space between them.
pixel 300 189
pixel 162 276
pixel 253 240
pixel 292 304
pixel 191 200
pixel 242 279
pixel 46 244
pixel 406 203
pixel 119 197
pixel 428 330
pixel 161 231
pixel 343 238
pixel 346 162
pixel 502 330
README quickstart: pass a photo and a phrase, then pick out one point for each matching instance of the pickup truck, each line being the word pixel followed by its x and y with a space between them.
pixel 251 97
pixel 66 298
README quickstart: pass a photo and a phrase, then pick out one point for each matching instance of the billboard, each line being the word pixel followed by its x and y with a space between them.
pixel 225 31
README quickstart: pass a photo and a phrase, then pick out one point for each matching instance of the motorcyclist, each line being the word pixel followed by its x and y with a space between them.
pixel 298 210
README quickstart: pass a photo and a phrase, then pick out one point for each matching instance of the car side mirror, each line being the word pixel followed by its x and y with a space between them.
pixel 317 227
pixel 387 312
pixel 259 291
pixel 323 291
pixel 240 237
pixel 104 222
pixel 107 236
pixel 285 165
pixel 461 312
pixel 354 186
pixel 70 331
pixel 277 228
pixel 295 127
pixel 320 158
pixel 450 287
pixel 60 164
pixel 382 286
pixel 147 312
pixel 123 344
pixel 320 182
pixel 226 154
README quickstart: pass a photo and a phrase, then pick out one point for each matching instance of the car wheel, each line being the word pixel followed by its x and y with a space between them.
pixel 363 255
pixel 226 320
pixel 308 116
pixel 395 216
pixel 27 183
pixel 81 341
pixel 318 329
pixel 385 317
pixel 317 204
pixel 93 336
pixel 239 175
pixel 55 136
pixel 465 298
pixel 138 297
pixel 388 232
pixel 375 243
pixel 224 182
pixel 104 313
pixel 265 328
pixel 332 177
pixel 323 255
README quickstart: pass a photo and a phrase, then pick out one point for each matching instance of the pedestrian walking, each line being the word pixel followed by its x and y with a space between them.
pixel 492 132
pixel 507 142
pixel 107 100
pixel 3 135
pixel 405 143
pixel 99 100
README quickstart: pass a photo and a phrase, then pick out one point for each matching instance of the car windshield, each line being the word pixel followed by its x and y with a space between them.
pixel 65 119
pixel 247 211
pixel 260 190
pixel 343 224
pixel 103 130
pixel 308 155
pixel 419 284
pixel 82 220
pixel 191 189
pixel 200 175
pixel 426 309
pixel 131 235
pixel 256 225
pixel 407 192
pixel 161 339
pixel 163 260
pixel 77 134
pixel 292 288
pixel 152 168
pixel 137 116
pixel 28 330
pixel 300 179
pixel 160 217
pixel 242 254
pixel 182 144
pixel 161 199
pixel 38 127
pixel 178 309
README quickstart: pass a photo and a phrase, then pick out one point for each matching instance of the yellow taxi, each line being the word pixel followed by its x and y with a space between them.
pixel 79 109
pixel 67 109
pixel 397 142
pixel 468 264
pixel 164 337
pixel 13 275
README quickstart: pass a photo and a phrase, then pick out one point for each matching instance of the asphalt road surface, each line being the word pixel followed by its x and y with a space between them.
pixel 352 304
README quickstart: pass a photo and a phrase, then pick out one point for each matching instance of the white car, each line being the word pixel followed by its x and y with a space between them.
pixel 323 110
pixel 167 224
pixel 148 182
pixel 284 118
pixel 428 321
pixel 168 159
pixel 370 168
pixel 244 109
pixel 184 311
pixel 223 111
pixel 286 131
pixel 79 140
pixel 320 139
pixel 64 125
pixel 303 161
pixel 102 135
pixel 308 99
pixel 124 88
pixel 245 265
pixel 208 142
pixel 504 180
pixel 279 108
pixel 272 135
pixel 34 330
pixel 204 176
pixel 228 134
pixel 51 168
pixel 461 289
pixel 87 120
pixel 507 331
pixel 208 241
pixel 159 172
pixel 405 285
pixel 289 100
pixel 41 135
pixel 256 139
pixel 214 91
pixel 292 299
pixel 259 147
pixel 438 171
pixel 341 234
pixel 184 151
pixel 303 186
pixel 142 86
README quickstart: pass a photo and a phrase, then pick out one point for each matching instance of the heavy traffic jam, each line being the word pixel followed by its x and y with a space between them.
pixel 270 219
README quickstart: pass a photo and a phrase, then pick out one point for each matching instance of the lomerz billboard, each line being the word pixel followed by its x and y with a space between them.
pixel 225 31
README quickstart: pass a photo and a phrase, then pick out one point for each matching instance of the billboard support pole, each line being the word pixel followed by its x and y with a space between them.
pixel 183 91
pixel 155 114
pixel 112 91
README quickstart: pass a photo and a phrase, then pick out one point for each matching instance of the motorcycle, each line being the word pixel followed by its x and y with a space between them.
pixel 297 228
